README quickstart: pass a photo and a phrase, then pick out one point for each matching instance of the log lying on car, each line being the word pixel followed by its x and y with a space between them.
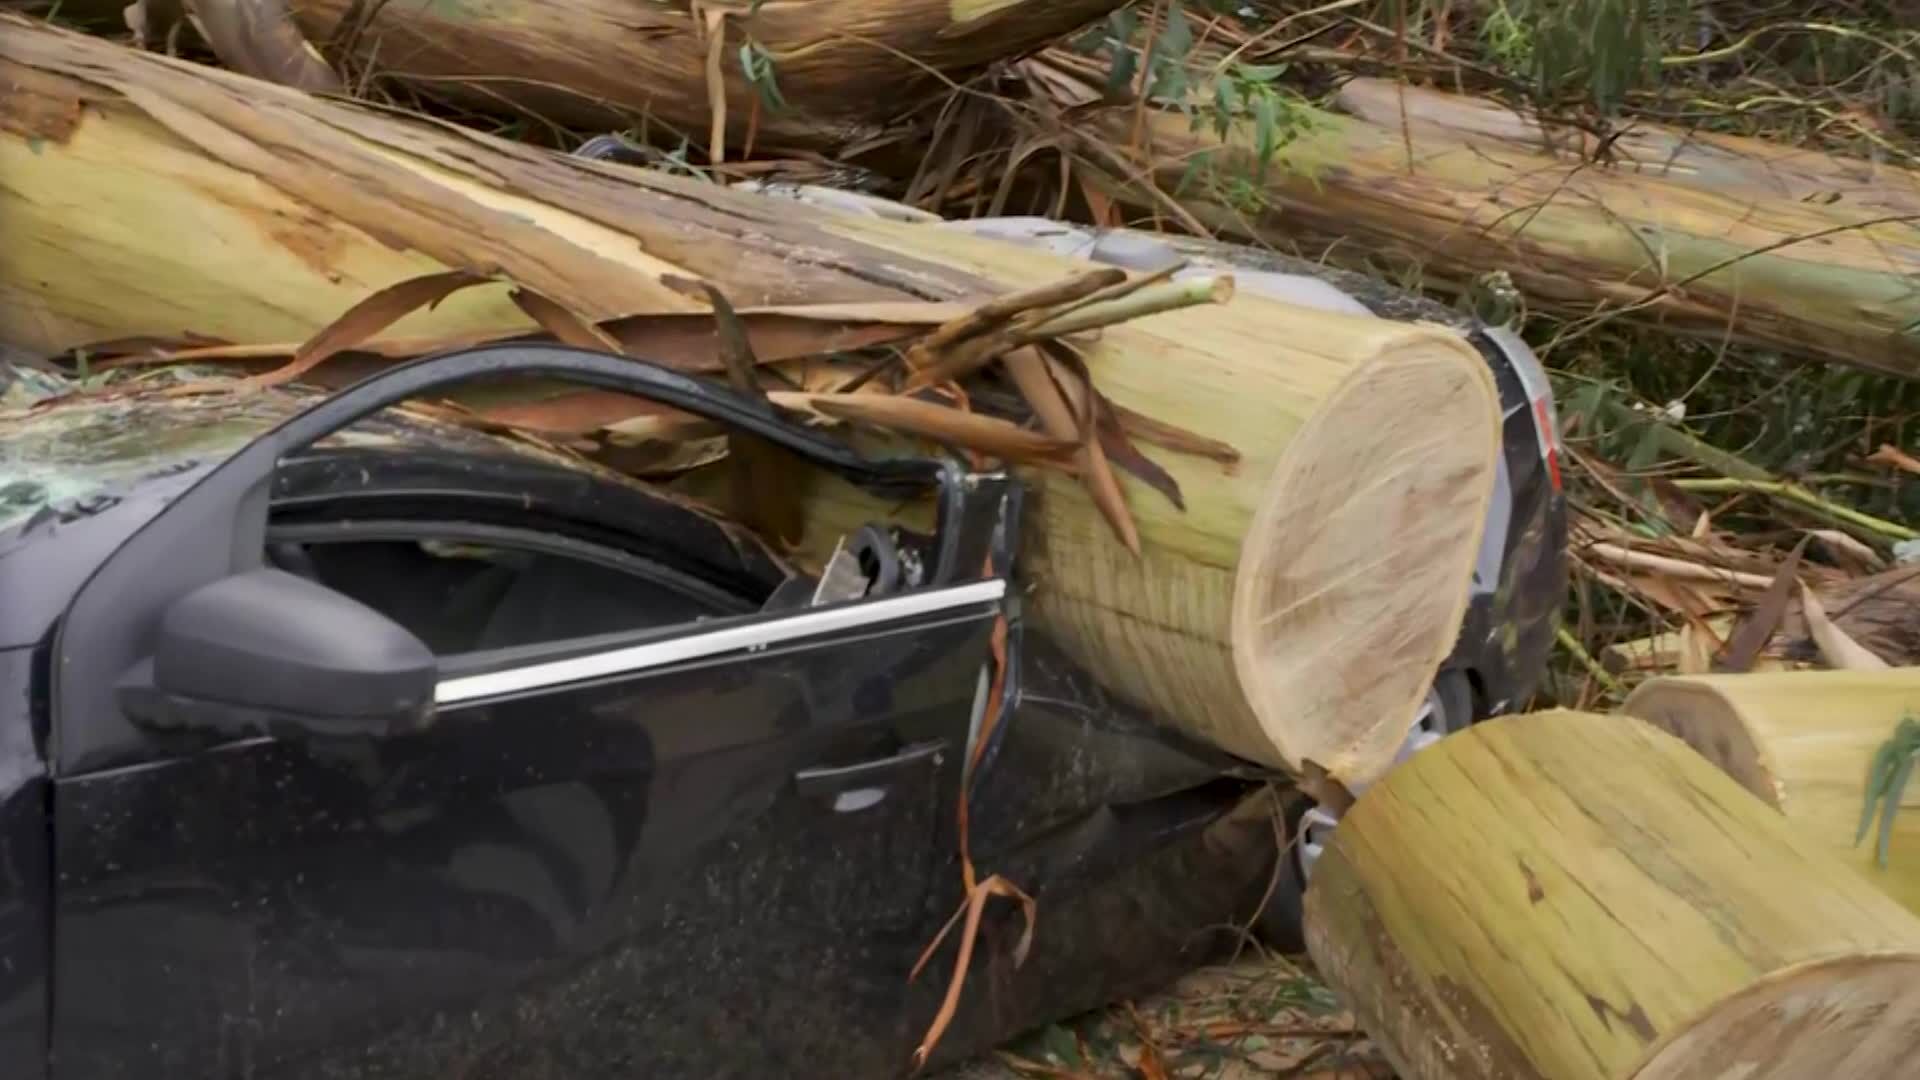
pixel 1295 610
pixel 1803 742
pixel 1582 897
pixel 1831 280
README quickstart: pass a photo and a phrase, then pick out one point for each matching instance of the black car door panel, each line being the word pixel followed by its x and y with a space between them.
pixel 698 855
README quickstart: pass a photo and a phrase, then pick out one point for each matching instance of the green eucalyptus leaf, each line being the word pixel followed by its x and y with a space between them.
pixel 1891 806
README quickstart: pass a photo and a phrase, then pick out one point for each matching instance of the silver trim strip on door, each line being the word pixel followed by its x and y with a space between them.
pixel 698 646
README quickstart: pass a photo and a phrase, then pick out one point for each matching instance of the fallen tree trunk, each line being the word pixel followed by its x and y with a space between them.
pixel 1567 896
pixel 1826 280
pixel 829 72
pixel 149 196
pixel 1803 741
pixel 1755 168
pixel 1296 610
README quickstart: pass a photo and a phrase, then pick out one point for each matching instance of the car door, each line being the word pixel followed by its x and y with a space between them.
pixel 694 849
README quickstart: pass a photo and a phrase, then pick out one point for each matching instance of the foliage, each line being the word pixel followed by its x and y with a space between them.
pixel 1601 49
pixel 1887 777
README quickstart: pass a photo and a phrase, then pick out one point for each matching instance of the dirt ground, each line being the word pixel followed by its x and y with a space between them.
pixel 1257 1018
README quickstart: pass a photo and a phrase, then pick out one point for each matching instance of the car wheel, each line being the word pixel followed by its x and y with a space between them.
pixel 1309 827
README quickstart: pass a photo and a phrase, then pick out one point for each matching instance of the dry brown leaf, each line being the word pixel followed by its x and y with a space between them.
pixel 1096 473
pixel 1840 651
pixel 1126 456
pixel 579 412
pixel 1168 437
pixel 259 38
pixel 566 325
pixel 1743 648
pixel 367 318
pixel 1054 405
pixel 1889 454
pixel 940 423
pixel 765 481
pixel 685 340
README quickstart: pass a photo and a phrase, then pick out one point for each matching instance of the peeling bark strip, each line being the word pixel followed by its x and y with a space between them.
pixel 1583 897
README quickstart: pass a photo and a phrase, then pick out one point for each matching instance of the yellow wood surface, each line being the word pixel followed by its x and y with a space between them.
pixel 1802 741
pixel 1568 896
pixel 1297 609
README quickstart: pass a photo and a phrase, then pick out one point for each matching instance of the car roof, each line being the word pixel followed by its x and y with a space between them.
pixel 68 448
pixel 84 463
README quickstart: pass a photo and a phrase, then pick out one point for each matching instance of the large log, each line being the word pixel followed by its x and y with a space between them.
pixel 1832 280
pixel 1295 611
pixel 841 70
pixel 1565 896
pixel 1802 741
pixel 1702 159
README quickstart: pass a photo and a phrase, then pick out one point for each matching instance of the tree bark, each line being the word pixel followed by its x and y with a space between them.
pixel 1802 741
pixel 1718 260
pixel 1296 610
pixel 1565 896
pixel 1701 159
pixel 844 69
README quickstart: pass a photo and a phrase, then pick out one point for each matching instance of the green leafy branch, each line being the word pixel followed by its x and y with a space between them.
pixel 1887 777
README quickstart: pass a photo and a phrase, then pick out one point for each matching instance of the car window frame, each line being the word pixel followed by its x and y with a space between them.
pixel 474 676
pixel 532 538
pixel 216 527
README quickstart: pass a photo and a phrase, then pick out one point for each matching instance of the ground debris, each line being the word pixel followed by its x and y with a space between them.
pixel 1258 1017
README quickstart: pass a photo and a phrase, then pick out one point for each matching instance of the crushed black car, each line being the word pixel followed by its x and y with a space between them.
pixel 339 741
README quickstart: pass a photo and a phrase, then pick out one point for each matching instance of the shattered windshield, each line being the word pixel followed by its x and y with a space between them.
pixel 68 453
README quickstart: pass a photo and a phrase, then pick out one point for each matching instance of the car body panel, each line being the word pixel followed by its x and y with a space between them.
pixel 25 864
pixel 529 884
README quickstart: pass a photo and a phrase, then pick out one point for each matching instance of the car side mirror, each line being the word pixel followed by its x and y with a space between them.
pixel 266 651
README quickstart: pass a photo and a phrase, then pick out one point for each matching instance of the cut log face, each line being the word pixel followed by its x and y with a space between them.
pixel 1567 896
pixel 1803 741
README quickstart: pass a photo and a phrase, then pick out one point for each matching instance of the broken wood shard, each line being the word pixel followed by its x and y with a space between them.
pixel 1580 897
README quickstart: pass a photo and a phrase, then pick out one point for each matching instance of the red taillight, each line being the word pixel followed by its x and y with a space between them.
pixel 1549 439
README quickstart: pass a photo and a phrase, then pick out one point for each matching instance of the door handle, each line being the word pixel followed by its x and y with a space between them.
pixel 858 786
